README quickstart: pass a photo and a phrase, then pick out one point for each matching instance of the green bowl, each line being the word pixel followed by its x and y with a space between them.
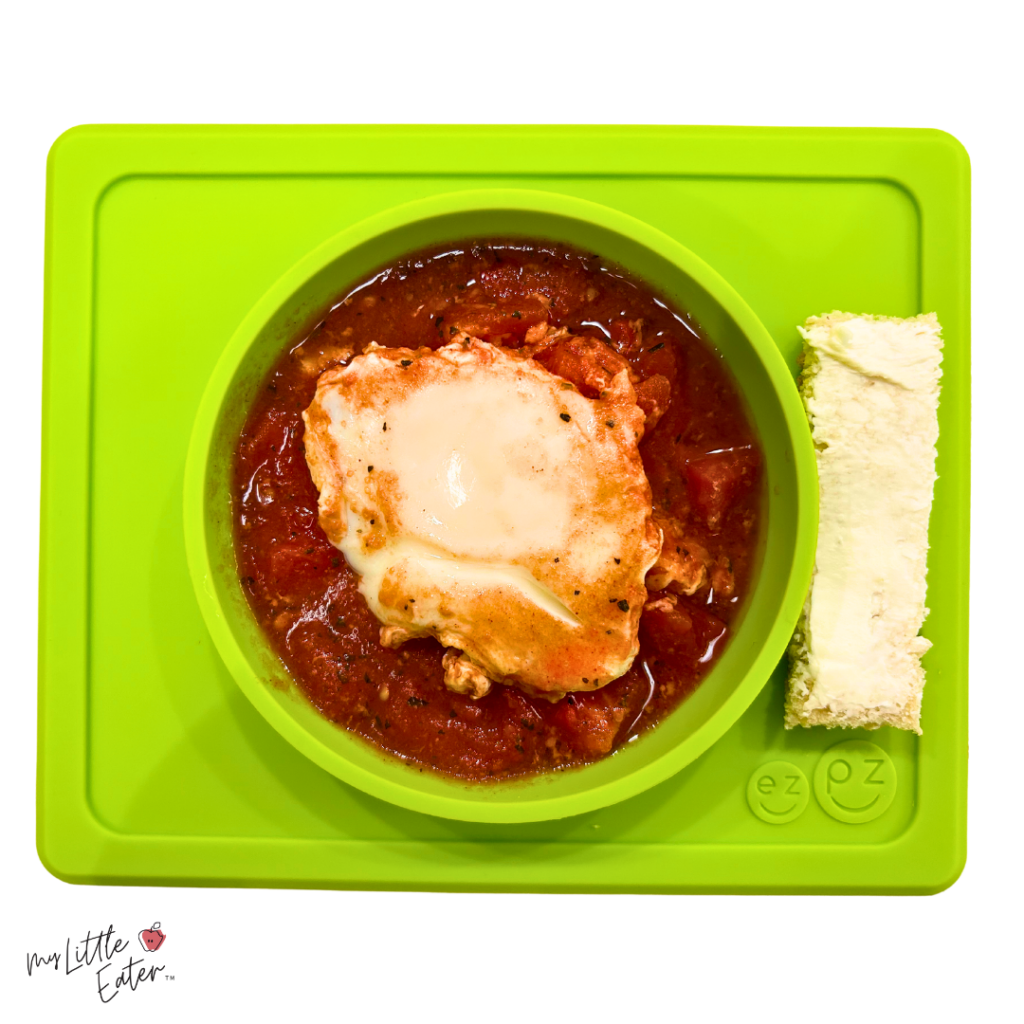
pixel 788 534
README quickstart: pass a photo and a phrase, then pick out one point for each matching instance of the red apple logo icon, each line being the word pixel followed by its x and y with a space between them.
pixel 152 938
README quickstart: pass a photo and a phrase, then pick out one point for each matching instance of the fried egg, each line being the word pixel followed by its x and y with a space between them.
pixel 483 501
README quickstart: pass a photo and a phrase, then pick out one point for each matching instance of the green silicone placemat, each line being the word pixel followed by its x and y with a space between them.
pixel 152 765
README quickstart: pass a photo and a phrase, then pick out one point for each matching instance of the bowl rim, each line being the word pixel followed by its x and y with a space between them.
pixel 202 571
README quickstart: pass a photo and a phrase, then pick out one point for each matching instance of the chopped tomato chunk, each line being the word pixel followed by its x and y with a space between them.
pixel 669 626
pixel 683 634
pixel 653 396
pixel 563 285
pixel 588 728
pixel 586 362
pixel 491 319
pixel 659 358
pixel 716 481
pixel 626 336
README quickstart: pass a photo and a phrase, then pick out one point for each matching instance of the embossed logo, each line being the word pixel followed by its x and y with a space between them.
pixel 778 792
pixel 855 781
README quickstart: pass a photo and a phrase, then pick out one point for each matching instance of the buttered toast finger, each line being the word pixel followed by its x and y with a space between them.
pixel 871 389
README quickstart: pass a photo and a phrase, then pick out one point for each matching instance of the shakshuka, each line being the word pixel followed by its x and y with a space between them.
pixel 497 510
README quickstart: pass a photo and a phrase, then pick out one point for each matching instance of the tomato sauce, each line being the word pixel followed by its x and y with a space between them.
pixel 701 458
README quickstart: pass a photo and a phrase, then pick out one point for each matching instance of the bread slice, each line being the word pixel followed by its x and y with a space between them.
pixel 870 385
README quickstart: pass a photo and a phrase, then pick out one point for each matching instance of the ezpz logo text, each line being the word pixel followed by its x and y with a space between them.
pixel 108 957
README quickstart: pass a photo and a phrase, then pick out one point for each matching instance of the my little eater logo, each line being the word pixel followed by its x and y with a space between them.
pixel 108 960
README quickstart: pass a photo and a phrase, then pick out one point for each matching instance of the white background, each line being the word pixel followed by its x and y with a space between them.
pixel 362 956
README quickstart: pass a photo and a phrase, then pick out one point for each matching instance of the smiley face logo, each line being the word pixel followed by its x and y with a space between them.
pixel 855 782
pixel 778 792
